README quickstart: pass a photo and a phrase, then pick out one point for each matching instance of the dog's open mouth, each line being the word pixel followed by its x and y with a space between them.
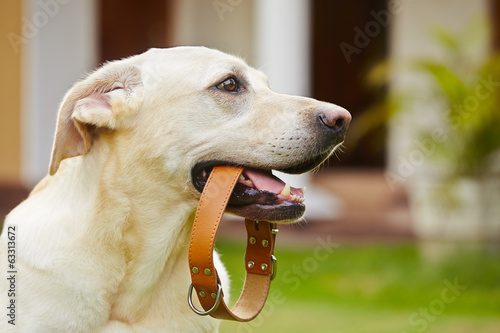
pixel 260 195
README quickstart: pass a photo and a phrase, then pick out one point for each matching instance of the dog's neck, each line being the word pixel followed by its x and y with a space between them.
pixel 148 225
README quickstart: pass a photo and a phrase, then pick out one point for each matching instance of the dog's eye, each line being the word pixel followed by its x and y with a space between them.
pixel 230 84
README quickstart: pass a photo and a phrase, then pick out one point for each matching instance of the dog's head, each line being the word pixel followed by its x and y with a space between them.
pixel 184 110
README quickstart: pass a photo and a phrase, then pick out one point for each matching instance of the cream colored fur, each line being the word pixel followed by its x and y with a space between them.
pixel 102 241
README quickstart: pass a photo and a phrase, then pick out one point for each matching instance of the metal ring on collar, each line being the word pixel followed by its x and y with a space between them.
pixel 217 301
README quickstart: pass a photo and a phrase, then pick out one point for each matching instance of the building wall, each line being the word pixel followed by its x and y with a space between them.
pixel 223 25
pixel 60 51
pixel 10 93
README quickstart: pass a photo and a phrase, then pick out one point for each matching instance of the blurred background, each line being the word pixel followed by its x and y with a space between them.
pixel 402 228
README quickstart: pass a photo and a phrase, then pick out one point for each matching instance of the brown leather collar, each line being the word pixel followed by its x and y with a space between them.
pixel 259 258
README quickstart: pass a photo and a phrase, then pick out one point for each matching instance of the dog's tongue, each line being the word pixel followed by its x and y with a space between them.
pixel 271 183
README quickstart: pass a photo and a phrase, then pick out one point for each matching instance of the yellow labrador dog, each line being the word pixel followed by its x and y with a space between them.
pixel 101 244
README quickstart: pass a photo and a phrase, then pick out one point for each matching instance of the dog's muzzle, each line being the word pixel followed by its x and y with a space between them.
pixel 260 195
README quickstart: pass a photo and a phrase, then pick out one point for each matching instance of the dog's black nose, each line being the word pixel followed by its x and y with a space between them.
pixel 335 118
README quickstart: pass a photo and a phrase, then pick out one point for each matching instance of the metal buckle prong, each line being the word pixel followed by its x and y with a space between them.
pixel 274 268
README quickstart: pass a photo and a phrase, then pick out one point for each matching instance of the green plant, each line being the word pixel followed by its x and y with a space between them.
pixel 470 96
pixel 465 87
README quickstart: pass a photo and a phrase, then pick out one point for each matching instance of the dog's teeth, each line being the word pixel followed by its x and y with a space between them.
pixel 242 177
pixel 249 182
pixel 303 190
pixel 286 190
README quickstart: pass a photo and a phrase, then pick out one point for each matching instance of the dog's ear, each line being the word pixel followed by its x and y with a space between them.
pixel 92 105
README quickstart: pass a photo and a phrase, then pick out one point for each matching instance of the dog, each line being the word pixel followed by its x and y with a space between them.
pixel 101 243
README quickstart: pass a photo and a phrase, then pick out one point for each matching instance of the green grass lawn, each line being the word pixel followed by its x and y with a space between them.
pixel 374 288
